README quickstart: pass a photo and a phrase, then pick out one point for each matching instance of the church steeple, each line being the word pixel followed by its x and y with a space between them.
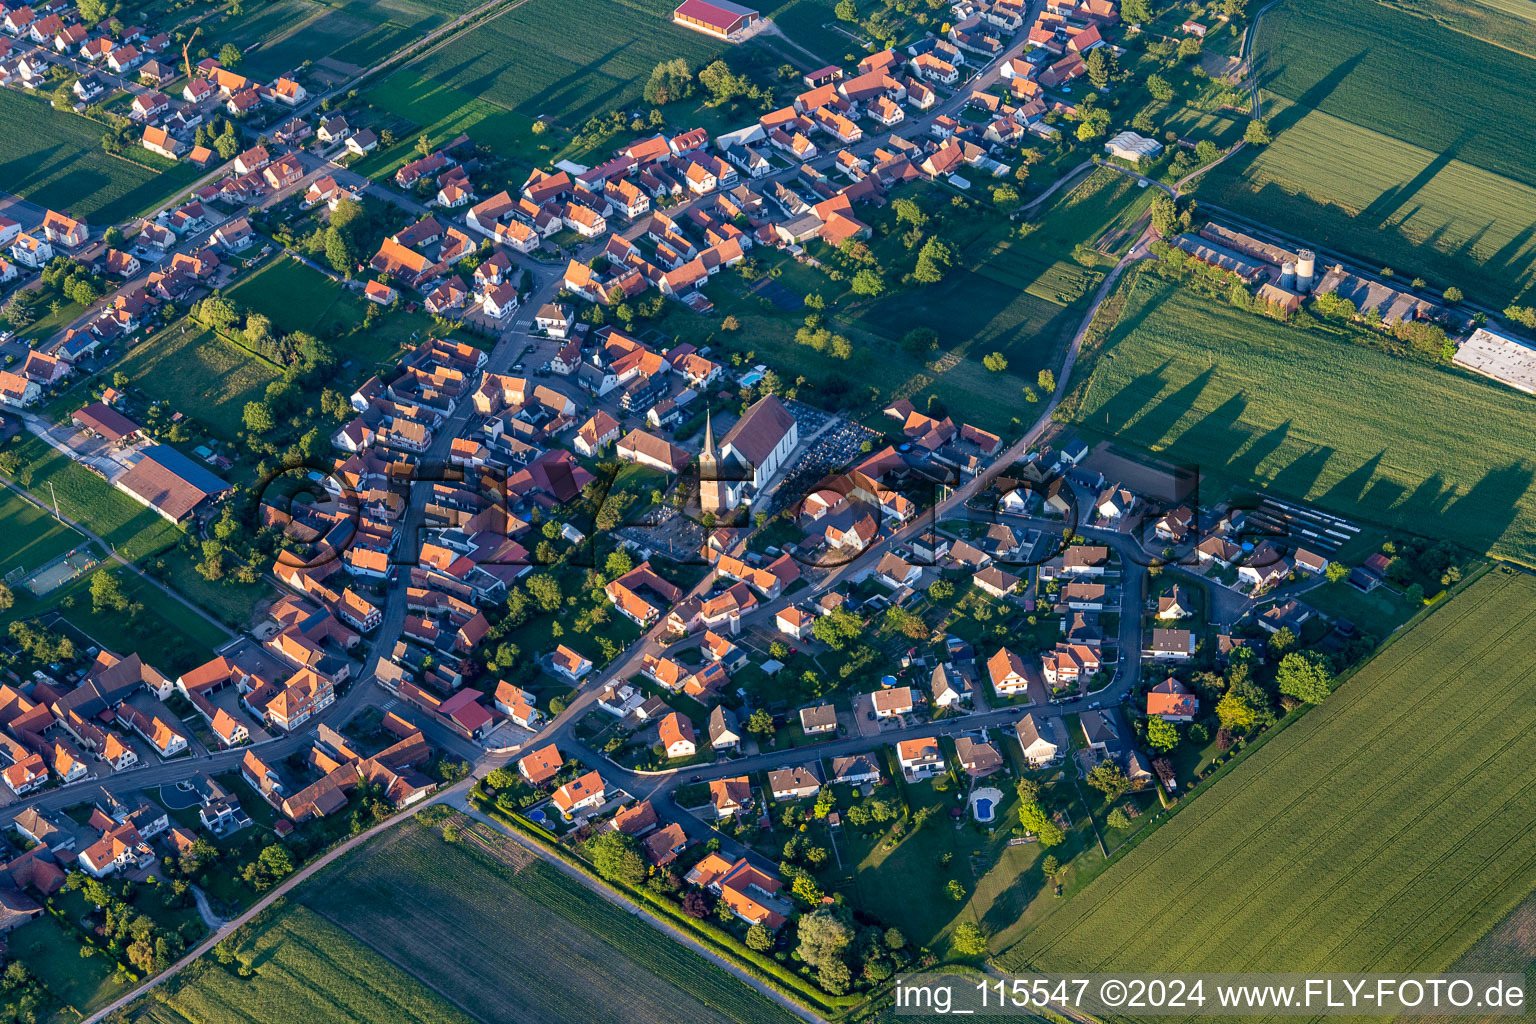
pixel 712 497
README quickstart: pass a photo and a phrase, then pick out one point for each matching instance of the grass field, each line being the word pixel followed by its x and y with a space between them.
pixel 86 498
pixel 200 375
pixel 1421 448
pixel 53 955
pixel 1430 178
pixel 296 297
pixel 55 159
pixel 31 538
pixel 435 909
pixel 306 969
pixel 1387 830
pixel 278 35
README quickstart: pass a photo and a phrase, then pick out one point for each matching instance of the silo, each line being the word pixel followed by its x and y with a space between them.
pixel 1288 276
pixel 1306 267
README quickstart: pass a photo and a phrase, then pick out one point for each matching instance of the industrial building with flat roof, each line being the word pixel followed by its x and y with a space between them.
pixel 1501 357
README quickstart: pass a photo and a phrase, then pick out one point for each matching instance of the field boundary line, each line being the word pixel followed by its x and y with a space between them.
pixel 282 889
pixel 665 927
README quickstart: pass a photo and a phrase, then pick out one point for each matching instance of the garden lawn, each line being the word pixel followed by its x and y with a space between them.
pixel 1312 417
pixel 166 633
pixel 434 908
pixel 32 537
pixel 52 954
pixel 200 375
pixel 1385 831
pixel 295 297
pixel 1386 148
pixel 54 159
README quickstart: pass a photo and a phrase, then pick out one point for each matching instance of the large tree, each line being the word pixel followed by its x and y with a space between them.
pixel 1306 676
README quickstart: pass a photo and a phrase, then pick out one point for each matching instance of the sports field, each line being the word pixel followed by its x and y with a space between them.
pixel 85 498
pixel 200 375
pixel 1387 147
pixel 31 538
pixel 348 35
pixel 55 160
pixel 1386 831
pixel 559 951
pixel 1314 417
pixel 305 969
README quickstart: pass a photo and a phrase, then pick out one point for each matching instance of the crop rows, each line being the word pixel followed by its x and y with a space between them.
pixel 1404 77
pixel 356 32
pixel 309 970
pixel 434 909
pixel 55 159
pixel 1386 831
pixel 572 60
pixel 1312 418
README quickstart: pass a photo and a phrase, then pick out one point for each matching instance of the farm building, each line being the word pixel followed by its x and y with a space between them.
pixel 1249 246
pixel 1394 306
pixel 719 18
pixel 1221 256
pixel 1130 146
pixel 1500 357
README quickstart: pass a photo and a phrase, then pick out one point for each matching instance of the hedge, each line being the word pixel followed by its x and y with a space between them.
pixel 763 968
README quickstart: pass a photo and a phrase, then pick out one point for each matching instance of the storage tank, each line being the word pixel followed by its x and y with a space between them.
pixel 1288 276
pixel 1306 267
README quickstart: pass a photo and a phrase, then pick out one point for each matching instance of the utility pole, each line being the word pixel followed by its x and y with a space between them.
pixel 55 497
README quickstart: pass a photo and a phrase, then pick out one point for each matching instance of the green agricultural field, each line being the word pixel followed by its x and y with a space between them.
pixel 32 537
pixel 1507 23
pixel 572 61
pixel 434 909
pixel 1309 416
pixel 347 36
pixel 55 159
pixel 1385 831
pixel 83 497
pixel 305 969
pixel 200 375
pixel 1387 148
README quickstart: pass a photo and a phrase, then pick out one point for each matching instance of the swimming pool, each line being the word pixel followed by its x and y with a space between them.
pixel 984 804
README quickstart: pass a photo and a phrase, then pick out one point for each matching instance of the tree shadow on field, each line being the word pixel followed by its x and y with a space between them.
pixel 554 98
pixel 1390 201
pixel 1493 503
pixel 1300 475
pixel 1351 489
pixel 1129 402
pixel 1158 419
pixel 1246 461
pixel 1315 96
pixel 1008 905
pixel 1219 430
